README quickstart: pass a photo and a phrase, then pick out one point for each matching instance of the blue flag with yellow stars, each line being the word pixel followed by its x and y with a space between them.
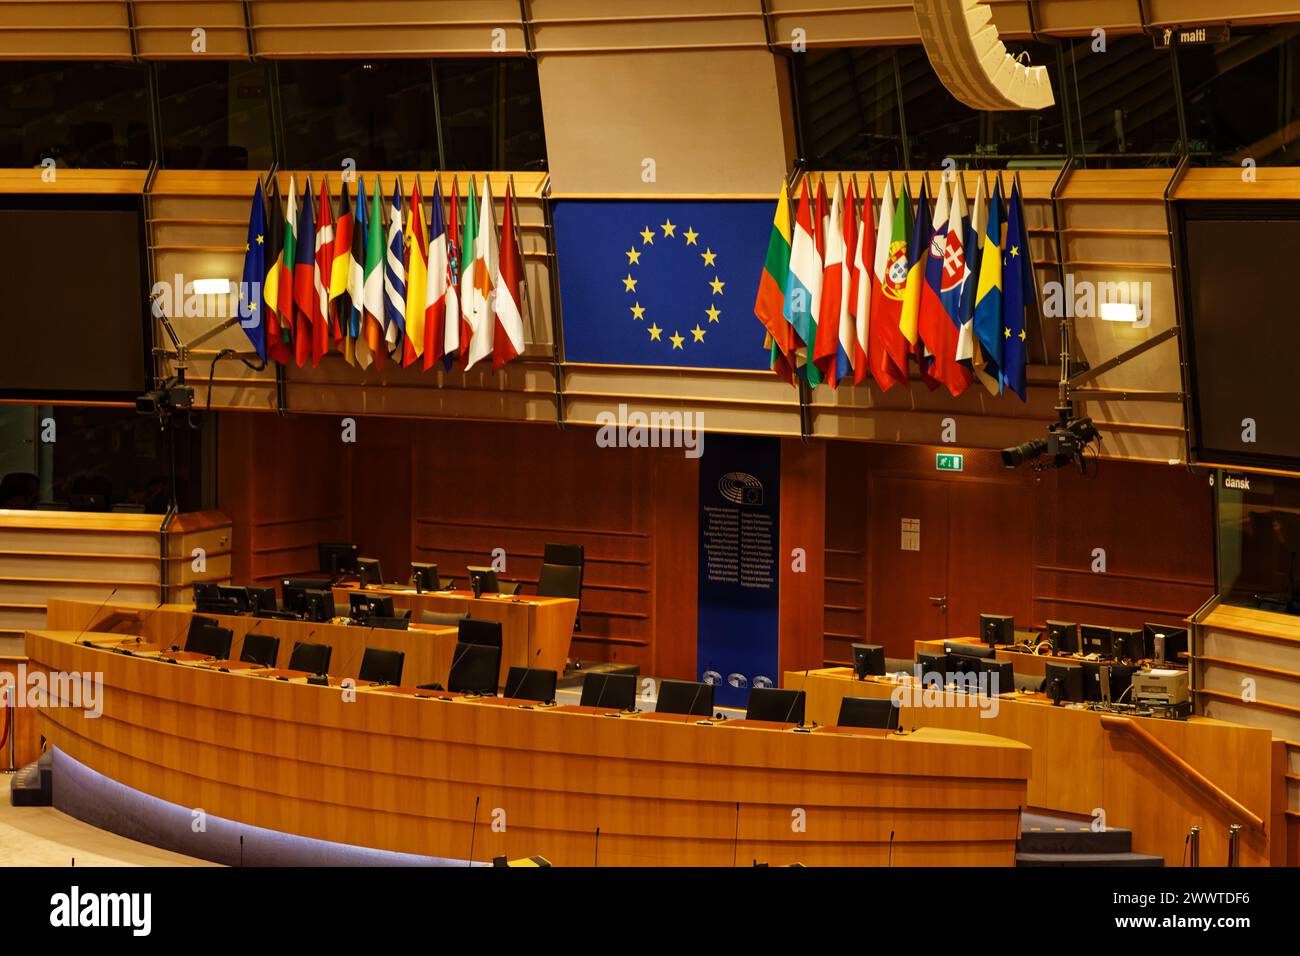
pixel 250 285
pixel 662 282
pixel 1017 290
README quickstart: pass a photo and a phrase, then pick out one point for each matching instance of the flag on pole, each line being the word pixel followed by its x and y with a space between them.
pixel 887 348
pixel 803 289
pixel 511 300
pixel 987 322
pixel 372 293
pixel 450 347
pixel 469 239
pixel 864 251
pixel 417 277
pixel 482 316
pixel 251 313
pixel 833 313
pixel 1017 287
pixel 288 262
pixel 341 269
pixel 769 306
pixel 322 271
pixel 436 287
pixel 279 343
pixel 304 286
pixel 917 255
pixel 973 235
pixel 395 274
pixel 357 349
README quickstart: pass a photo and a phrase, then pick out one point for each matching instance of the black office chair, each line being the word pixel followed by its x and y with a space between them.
pixel 200 623
pixel 778 704
pixel 572 555
pixel 868 712
pixel 260 649
pixel 474 630
pixel 685 697
pixel 382 666
pixel 211 641
pixel 560 580
pixel 312 658
pixel 609 690
pixel 475 669
pixel 531 683
pixel 441 619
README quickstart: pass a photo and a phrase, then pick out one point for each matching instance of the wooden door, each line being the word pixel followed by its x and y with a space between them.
pixel 908 562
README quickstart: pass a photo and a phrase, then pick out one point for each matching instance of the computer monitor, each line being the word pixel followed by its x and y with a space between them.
pixel 1002 676
pixel 318 604
pixel 685 697
pixel 1106 682
pixel 778 704
pixel 388 622
pixel 957 649
pixel 293 592
pixel 336 557
pixel 261 599
pixel 362 607
pixel 997 629
pixel 1163 643
pixel 1063 636
pixel 483 580
pixel 868 659
pixel 1095 639
pixel 424 577
pixel 369 572
pixel 1063 682
pixel 208 599
pixel 1126 644
pixel 206 592
pixel 237 595
pixel 933 668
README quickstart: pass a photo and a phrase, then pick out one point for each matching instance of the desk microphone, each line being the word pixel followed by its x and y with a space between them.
pixel 91 620
pixel 695 700
pixel 790 713
pixel 472 828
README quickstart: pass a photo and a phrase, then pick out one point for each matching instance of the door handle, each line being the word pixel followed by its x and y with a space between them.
pixel 941 603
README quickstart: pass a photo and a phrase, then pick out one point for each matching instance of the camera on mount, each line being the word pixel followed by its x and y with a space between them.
pixel 1064 444
pixel 163 401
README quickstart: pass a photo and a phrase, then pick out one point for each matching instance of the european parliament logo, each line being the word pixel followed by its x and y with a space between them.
pixel 662 283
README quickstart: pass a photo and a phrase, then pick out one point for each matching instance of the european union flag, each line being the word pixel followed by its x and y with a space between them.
pixel 662 283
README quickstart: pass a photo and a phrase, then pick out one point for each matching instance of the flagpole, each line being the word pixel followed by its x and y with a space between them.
pixel 523 267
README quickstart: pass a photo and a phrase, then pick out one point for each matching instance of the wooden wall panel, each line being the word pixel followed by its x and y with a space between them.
pixel 72 30
pixel 164 29
pixel 803 525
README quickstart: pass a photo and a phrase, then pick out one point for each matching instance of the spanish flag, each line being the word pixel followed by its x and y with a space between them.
pixel 417 277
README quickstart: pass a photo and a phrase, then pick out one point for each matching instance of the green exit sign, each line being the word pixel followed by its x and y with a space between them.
pixel 947 462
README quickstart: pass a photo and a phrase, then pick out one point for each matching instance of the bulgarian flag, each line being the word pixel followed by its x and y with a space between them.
pixel 304 286
pixel 770 304
pixel 437 286
pixel 284 287
pixel 417 277
pixel 322 272
pixel 372 294
pixel 451 328
pixel 279 345
pixel 511 301
pixel 482 318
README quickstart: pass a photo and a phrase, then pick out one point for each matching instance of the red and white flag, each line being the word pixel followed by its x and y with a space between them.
pixel 511 300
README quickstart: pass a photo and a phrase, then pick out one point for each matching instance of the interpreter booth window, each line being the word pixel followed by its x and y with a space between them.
pixel 74 115
pixel 1258 540
pixel 214 115
pixel 70 458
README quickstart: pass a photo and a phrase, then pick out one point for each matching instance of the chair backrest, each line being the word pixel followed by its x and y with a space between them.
pixel 868 712
pixel 260 649
pixel 475 669
pixel 381 665
pixel 775 703
pixel 474 630
pixel 609 690
pixel 685 697
pixel 309 657
pixel 531 683
pixel 200 623
pixel 442 618
pixel 560 580
pixel 558 553
pixel 213 641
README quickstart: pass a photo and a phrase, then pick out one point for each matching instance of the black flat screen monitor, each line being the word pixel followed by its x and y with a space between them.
pixel 1063 682
pixel 868 660
pixel 997 629
pixel 337 557
pixel 1063 636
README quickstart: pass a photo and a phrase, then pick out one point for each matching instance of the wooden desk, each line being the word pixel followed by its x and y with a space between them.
pixel 1080 763
pixel 529 624
pixel 393 771
pixel 428 650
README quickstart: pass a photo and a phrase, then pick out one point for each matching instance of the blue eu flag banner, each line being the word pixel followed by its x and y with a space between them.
pixel 250 284
pixel 1017 289
pixel 662 283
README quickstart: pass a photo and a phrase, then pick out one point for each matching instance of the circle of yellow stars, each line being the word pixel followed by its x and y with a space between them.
pixel 668 230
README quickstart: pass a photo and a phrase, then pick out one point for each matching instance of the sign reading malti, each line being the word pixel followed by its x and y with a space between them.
pixel 1165 37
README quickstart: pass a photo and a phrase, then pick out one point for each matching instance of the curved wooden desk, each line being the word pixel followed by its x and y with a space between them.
pixel 395 771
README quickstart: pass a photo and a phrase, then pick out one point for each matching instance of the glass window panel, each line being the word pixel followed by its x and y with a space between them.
pixel 849 109
pixel 525 138
pixel 214 115
pixel 1125 98
pixel 1258 538
pixel 938 126
pixel 469 94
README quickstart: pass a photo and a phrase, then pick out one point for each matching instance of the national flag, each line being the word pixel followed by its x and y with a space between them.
pixel 357 348
pixel 940 317
pixel 511 300
pixel 887 348
pixel 341 269
pixel 450 347
pixel 821 213
pixel 482 316
pixel 288 261
pixel 1017 288
pixel 437 286
pixel 860 275
pixel 251 312
pixel 417 277
pixel 987 322
pixel 918 252
pixel 279 341
pixel 322 271
pixel 395 274
pixel 769 306
pixel 803 289
pixel 469 239
pixel 973 233
pixel 304 286
pixel 833 313
pixel 374 302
